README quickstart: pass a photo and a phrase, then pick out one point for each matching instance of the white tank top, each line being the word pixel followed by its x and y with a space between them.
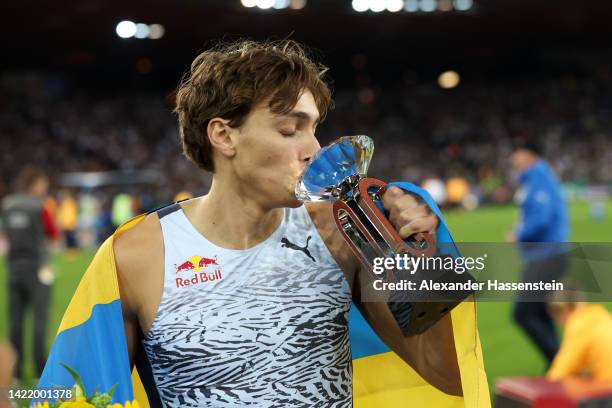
pixel 262 327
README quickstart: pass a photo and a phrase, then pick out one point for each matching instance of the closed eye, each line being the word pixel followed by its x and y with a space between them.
pixel 287 132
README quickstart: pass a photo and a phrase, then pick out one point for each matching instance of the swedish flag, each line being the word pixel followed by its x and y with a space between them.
pixel 382 379
pixel 91 337
pixel 91 340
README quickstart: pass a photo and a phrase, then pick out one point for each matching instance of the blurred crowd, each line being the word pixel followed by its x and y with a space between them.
pixel 465 135
pixel 47 123
pixel 456 142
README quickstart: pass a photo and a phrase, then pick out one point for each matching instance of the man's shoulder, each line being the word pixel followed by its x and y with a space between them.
pixel 139 259
pixel 137 246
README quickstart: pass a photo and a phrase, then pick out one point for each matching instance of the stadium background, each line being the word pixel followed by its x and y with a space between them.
pixel 75 97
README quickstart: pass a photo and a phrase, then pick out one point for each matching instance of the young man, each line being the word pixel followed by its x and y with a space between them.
pixel 28 227
pixel 226 311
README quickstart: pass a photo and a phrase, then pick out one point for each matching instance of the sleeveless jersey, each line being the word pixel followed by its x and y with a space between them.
pixel 262 327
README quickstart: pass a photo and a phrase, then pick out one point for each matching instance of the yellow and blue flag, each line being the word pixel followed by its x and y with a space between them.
pixel 91 341
pixel 382 379
pixel 91 337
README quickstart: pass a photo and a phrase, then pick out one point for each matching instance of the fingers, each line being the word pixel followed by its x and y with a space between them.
pixel 423 224
pixel 402 215
pixel 390 196
pixel 407 214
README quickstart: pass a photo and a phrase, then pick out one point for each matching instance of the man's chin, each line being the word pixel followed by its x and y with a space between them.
pixel 291 200
pixel 294 203
pixel 285 202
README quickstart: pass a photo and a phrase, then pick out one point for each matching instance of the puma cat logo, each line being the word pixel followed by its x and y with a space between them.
pixel 288 244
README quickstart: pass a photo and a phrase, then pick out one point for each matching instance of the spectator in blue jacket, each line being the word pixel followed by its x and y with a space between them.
pixel 543 219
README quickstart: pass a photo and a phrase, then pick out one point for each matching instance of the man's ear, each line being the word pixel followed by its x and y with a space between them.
pixel 220 136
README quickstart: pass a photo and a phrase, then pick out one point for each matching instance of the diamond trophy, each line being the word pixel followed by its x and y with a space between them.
pixel 338 173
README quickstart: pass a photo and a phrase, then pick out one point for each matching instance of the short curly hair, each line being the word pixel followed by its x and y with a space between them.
pixel 228 80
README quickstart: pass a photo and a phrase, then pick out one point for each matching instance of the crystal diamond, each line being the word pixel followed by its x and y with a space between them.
pixel 344 157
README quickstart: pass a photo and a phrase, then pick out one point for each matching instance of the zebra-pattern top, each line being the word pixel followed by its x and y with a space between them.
pixel 264 327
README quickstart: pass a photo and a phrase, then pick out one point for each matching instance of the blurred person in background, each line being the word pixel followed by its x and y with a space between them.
pixel 586 348
pixel 68 219
pixel 543 218
pixel 436 188
pixel 28 227
pixel 182 195
pixel 490 184
pixel 104 220
pixel 89 208
pixel 50 205
pixel 456 189
pixel 122 209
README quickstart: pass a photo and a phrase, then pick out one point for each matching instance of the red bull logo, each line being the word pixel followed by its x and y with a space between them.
pixel 185 266
pixel 196 264
pixel 204 262
pixel 200 266
pixel 202 277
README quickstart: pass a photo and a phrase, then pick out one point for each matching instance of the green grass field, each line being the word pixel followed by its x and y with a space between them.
pixel 507 352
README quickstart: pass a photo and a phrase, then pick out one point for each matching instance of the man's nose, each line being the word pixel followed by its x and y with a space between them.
pixel 312 148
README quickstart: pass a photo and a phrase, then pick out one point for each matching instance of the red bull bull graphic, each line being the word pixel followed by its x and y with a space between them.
pixel 200 266
pixel 185 266
pixel 204 262
pixel 196 264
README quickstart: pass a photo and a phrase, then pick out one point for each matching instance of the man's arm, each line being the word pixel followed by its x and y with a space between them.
pixel 139 260
pixel 431 354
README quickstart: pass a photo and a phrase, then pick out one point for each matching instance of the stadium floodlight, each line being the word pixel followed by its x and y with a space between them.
pixel 361 5
pixel 142 31
pixel 378 5
pixel 464 5
pixel 395 5
pixel 411 6
pixel 265 4
pixel 448 79
pixel 126 29
pixel 156 31
pixel 428 5
pixel 281 4
pixel 248 3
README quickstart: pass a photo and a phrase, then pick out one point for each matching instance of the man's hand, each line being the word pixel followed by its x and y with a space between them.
pixel 408 215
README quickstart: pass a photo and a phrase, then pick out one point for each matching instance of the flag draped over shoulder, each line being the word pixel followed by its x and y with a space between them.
pixel 91 341
pixel 91 337
pixel 382 379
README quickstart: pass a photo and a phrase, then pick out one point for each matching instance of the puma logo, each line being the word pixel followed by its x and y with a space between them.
pixel 288 244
